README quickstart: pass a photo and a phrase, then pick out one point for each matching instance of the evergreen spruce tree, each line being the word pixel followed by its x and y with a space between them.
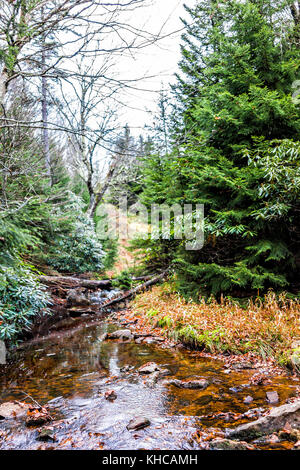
pixel 235 137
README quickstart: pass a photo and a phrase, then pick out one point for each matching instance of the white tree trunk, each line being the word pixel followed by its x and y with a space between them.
pixel 3 85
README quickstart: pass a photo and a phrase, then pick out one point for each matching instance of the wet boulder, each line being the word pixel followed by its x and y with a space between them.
pixel 11 410
pixel 127 368
pixel 195 384
pixel 124 335
pixel 148 368
pixel 37 416
pixel 297 446
pixel 46 435
pixel 77 297
pixel 164 372
pixel 140 422
pixel 227 444
pixel 110 395
pixel 292 435
pixel 277 419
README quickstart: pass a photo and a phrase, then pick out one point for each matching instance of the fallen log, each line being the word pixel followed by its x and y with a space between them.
pixel 135 290
pixel 142 278
pixel 72 282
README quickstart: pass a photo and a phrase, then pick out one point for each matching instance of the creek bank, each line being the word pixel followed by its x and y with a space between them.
pixel 278 418
pixel 72 298
pixel 144 333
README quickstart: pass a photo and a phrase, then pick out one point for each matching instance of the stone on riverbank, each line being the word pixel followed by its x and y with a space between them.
pixel 227 444
pixel 76 297
pixel 277 419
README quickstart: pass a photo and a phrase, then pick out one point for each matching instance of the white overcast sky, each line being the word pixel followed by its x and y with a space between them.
pixel 158 61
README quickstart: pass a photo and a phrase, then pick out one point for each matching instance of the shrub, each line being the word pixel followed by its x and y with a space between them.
pixel 22 297
pixel 75 247
pixel 124 281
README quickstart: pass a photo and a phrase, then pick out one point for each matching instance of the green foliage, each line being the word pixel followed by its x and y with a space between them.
pixel 76 250
pixel 235 149
pixel 165 322
pixel 123 281
pixel 22 298
pixel 110 248
pixel 38 222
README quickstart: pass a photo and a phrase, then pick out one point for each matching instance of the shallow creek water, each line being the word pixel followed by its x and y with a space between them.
pixel 72 369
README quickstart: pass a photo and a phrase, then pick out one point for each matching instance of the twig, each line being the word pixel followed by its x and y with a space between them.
pixel 32 399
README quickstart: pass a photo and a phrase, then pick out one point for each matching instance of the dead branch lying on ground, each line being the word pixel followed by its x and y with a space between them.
pixel 73 282
pixel 136 290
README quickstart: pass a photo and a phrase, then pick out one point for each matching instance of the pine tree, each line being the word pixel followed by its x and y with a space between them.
pixel 236 134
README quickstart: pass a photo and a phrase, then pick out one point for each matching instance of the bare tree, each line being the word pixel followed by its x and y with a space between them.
pixel 75 23
pixel 84 31
pixel 87 107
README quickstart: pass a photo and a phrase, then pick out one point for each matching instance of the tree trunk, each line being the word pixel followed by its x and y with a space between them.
pixel 3 86
pixel 73 282
pixel 46 146
pixel 45 137
pixel 96 197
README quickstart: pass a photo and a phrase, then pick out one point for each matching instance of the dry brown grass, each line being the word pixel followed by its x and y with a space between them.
pixel 268 328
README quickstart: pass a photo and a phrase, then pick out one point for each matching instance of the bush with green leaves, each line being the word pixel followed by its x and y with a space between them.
pixel 22 298
pixel 123 281
pixel 75 248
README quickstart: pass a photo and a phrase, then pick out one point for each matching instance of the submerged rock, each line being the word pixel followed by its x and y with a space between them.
pixel 272 397
pixel 190 384
pixel 242 365
pixel 277 419
pixel 248 400
pixel 137 423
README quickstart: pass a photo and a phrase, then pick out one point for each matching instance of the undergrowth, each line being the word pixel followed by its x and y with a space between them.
pixel 268 327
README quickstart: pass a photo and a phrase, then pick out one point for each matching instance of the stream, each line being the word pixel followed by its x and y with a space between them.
pixel 71 370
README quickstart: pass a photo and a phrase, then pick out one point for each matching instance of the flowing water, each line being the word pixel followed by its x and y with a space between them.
pixel 72 369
